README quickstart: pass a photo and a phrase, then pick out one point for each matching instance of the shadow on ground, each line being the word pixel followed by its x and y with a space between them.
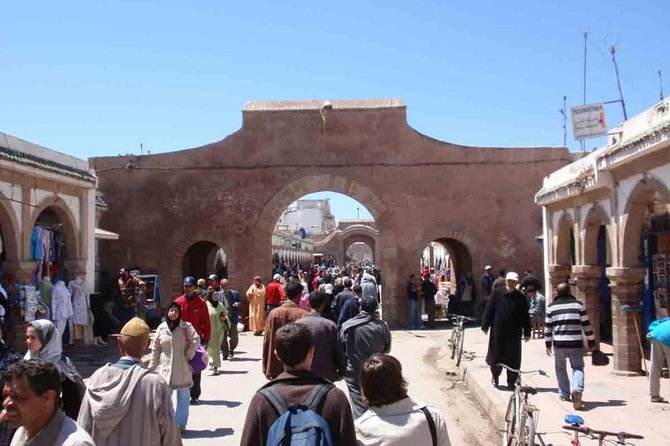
pixel 216 433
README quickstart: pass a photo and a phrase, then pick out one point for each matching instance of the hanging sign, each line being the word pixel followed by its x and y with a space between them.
pixel 588 121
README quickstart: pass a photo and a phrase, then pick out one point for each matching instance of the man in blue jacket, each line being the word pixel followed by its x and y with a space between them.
pixel 231 299
pixel 659 335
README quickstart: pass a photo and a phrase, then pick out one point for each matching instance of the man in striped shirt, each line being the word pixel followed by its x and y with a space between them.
pixel 565 321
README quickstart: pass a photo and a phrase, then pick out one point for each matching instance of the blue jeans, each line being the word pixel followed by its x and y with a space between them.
pixel 576 357
pixel 181 411
pixel 414 313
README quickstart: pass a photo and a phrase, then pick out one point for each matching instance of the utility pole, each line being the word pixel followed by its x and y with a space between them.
pixel 618 82
pixel 582 142
pixel 660 82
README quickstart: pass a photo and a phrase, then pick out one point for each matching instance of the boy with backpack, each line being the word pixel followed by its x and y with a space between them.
pixel 309 408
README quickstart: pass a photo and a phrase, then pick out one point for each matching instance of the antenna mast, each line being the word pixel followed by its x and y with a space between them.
pixel 618 82
pixel 563 112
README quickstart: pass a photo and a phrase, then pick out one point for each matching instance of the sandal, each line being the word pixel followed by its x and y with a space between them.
pixel 658 399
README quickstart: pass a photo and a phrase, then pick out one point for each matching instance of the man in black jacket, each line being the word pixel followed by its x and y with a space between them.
pixel 506 314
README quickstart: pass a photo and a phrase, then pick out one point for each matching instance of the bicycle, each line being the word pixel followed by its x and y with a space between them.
pixel 521 416
pixel 576 424
pixel 458 337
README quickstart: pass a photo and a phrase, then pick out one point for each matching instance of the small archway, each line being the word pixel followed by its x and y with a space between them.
pixel 8 233
pixel 53 240
pixel 203 258
pixel 565 253
pixel 359 251
pixel 53 211
pixel 650 198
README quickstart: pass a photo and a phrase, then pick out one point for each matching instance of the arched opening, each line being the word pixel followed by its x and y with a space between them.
pixel 646 244
pixel 448 262
pixel 8 237
pixel 204 258
pixel 52 244
pixel 318 229
pixel 359 252
pixel 565 243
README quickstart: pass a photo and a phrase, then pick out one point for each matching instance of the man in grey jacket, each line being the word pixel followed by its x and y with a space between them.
pixel 363 336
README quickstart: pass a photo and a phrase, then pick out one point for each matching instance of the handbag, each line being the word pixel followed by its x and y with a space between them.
pixel 598 358
pixel 199 361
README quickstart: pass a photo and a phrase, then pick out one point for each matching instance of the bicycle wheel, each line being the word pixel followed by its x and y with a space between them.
pixel 454 341
pixel 459 352
pixel 510 423
pixel 530 429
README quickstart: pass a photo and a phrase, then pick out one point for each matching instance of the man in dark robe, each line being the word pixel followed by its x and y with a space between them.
pixel 507 314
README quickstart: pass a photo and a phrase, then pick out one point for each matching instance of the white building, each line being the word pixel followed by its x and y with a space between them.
pixel 50 195
pixel 312 214
pixel 607 218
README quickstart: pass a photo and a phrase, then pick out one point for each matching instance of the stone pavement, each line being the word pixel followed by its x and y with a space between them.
pixel 613 402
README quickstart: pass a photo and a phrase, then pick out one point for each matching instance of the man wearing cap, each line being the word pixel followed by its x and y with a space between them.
pixel 363 336
pixel 194 310
pixel 273 294
pixel 288 312
pixel 486 282
pixel 125 402
pixel 506 313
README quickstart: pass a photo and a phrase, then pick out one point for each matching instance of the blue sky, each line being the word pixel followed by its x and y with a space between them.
pixel 94 78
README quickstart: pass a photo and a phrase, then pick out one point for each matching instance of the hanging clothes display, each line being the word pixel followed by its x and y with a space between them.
pixel 47 248
pixel 80 305
pixel 61 307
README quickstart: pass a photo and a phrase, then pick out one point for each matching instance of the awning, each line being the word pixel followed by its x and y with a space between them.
pixel 101 234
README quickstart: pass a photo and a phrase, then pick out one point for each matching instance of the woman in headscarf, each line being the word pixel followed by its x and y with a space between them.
pixel 219 323
pixel 7 357
pixel 256 301
pixel 44 342
pixel 173 347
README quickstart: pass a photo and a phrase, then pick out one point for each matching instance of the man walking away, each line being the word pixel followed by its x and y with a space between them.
pixel 369 285
pixel 351 308
pixel 329 360
pixel 341 298
pixel 288 312
pixel 428 290
pixel 659 335
pixel 501 279
pixel 194 310
pixel 565 321
pixel 529 279
pixel 507 315
pixel 413 304
pixel 363 336
pixel 273 294
pixel 126 403
pixel 295 386
pixel 30 403
pixel 537 310
pixel 231 299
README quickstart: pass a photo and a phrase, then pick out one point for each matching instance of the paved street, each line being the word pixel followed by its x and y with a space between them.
pixel 612 402
pixel 225 397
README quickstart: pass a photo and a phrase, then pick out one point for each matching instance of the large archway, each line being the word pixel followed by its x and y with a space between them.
pixel 8 233
pixel 203 258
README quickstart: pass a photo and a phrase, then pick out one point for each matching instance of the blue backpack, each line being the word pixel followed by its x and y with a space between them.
pixel 300 424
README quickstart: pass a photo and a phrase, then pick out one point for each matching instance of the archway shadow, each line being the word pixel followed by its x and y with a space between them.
pixel 216 433
pixel 225 403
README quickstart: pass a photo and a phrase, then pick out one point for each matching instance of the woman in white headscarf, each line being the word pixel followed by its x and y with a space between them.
pixel 44 342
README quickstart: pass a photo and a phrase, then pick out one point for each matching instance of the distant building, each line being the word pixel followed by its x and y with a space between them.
pixel 312 214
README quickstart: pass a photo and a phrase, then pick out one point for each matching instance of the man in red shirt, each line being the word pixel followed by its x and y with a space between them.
pixel 194 310
pixel 273 294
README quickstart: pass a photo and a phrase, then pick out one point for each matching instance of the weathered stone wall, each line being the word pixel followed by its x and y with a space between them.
pixel 418 189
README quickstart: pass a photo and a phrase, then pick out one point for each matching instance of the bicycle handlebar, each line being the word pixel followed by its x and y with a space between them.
pixel 540 371
pixel 459 317
pixel 588 431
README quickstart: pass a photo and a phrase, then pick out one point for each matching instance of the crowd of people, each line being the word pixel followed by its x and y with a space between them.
pixel 319 326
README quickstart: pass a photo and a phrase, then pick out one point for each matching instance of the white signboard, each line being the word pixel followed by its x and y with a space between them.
pixel 588 121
